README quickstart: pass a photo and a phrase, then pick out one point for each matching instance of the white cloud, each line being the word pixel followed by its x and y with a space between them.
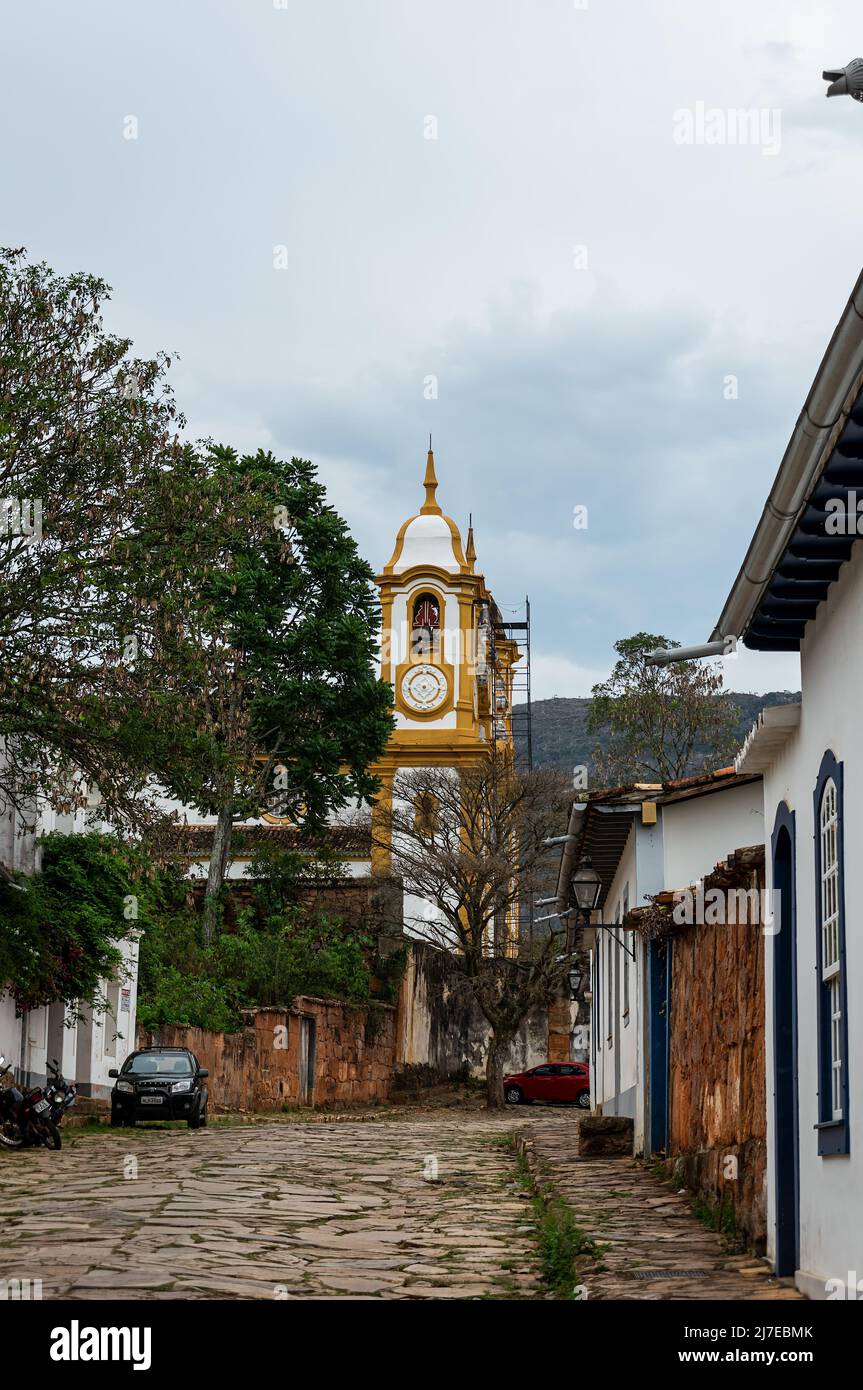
pixel 455 257
pixel 553 675
pixel 751 671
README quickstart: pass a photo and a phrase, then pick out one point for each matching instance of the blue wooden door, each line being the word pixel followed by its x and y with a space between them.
pixel 786 1144
pixel 659 964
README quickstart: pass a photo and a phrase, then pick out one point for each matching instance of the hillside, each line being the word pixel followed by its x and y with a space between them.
pixel 560 736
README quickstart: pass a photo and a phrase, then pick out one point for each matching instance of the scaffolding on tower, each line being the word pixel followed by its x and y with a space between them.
pixel 512 716
pixel 512 707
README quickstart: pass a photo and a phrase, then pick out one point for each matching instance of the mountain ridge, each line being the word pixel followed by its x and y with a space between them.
pixel 559 726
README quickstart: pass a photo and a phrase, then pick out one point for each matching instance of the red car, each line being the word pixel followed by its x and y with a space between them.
pixel 552 1081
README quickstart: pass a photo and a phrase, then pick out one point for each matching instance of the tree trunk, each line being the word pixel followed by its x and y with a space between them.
pixel 217 870
pixel 494 1069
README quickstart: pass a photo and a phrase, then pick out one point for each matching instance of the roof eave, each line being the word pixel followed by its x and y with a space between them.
pixel 772 729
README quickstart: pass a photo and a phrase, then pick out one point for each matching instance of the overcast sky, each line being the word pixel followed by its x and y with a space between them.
pixel 580 284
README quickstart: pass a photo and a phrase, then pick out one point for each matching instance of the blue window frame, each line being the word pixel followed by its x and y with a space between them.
pixel 625 960
pixel 596 1002
pixel 834 1136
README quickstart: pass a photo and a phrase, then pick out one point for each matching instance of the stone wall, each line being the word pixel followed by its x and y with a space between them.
pixel 375 905
pixel 441 1032
pixel 562 1014
pixel 259 1068
pixel 717 1110
pixel 361 1055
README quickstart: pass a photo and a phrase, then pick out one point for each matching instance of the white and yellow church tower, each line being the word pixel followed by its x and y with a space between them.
pixel 443 649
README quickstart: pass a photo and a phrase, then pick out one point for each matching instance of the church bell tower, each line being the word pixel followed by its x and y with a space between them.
pixel 442 648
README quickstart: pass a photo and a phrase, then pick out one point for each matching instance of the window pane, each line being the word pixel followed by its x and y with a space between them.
pixel 830 971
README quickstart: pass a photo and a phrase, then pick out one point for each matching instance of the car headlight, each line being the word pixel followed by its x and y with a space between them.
pixel 125 1086
pixel 181 1086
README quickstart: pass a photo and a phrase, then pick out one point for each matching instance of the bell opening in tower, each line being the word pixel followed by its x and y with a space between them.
pixel 425 627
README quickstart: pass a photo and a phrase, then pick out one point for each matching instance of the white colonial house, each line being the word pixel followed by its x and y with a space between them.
pixel 801 589
pixel 644 840
pixel 86 1043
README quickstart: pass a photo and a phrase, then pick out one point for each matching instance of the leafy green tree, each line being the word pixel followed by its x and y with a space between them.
pixel 85 428
pixel 282 879
pixel 263 958
pixel 60 937
pixel 269 626
pixel 661 722
pixel 296 953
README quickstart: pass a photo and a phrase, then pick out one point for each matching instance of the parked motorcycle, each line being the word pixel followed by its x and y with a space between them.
pixel 25 1117
pixel 11 1100
pixel 60 1093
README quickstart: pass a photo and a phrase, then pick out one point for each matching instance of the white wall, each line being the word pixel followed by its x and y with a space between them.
pixel 701 831
pixel 10 1030
pixel 688 840
pixel 617 1053
pixel 422 919
pixel 85 1051
pixel 831 1188
pixel 198 869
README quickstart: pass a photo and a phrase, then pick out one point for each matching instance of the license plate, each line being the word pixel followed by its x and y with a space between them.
pixel 41 1105
pixel 151 1100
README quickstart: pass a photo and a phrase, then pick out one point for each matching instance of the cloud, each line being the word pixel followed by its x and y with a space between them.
pixel 558 384
pixel 539 415
pixel 557 675
pixel 755 672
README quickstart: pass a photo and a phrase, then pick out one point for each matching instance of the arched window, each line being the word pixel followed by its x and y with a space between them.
pixel 832 1004
pixel 830 970
pixel 612 961
pixel 425 625
pixel 625 961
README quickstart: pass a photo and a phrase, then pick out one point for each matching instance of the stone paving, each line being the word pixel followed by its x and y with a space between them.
pixel 646 1227
pixel 349 1209
pixel 274 1210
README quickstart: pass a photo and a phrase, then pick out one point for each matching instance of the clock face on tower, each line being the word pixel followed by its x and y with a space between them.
pixel 424 688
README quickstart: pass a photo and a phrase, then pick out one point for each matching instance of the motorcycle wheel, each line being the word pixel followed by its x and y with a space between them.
pixel 50 1135
pixel 10 1137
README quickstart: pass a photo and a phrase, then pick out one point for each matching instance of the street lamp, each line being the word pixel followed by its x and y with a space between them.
pixel 587 887
pixel 847 81
pixel 576 976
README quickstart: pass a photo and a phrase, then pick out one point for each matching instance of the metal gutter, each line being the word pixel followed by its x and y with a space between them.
pixel 567 858
pixel 828 405
pixel 581 815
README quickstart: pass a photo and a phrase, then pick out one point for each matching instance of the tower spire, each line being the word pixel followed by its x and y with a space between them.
pixel 430 485
pixel 470 549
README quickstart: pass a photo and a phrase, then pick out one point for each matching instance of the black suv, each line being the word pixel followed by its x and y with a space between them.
pixel 160 1083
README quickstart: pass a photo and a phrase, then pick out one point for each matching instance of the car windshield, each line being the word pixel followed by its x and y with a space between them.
pixel 159 1064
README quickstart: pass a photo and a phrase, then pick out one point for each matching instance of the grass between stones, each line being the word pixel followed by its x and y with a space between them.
pixel 718 1215
pixel 561 1241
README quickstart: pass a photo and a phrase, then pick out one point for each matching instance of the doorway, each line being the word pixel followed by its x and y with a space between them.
pixel 785 1107
pixel 56 1032
pixel 308 1030
pixel 659 980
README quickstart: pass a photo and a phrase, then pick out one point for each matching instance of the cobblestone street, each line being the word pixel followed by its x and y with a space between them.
pixel 422 1206
pixel 297 1210
pixel 651 1245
